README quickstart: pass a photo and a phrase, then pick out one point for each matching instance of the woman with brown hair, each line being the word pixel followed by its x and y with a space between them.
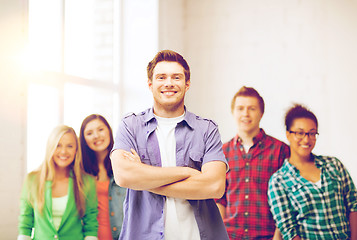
pixel 96 140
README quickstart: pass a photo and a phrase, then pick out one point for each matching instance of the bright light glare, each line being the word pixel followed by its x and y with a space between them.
pixel 29 61
pixel 90 100
pixel 79 42
pixel 43 116
pixel 45 38
pixel 75 50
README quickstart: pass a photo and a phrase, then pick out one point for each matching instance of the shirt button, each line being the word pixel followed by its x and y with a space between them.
pixel 247 180
pixel 114 228
pixel 246 196
pixel 246 230
pixel 112 213
pixel 246 214
pixel 55 236
pixel 247 164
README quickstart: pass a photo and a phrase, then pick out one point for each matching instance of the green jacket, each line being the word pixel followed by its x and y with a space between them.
pixel 71 227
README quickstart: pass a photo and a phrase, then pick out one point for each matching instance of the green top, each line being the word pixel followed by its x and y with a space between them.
pixel 71 226
pixel 300 208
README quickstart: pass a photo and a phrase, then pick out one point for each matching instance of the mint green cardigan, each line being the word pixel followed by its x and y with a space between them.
pixel 71 227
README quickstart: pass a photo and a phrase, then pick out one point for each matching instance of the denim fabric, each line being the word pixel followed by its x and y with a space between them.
pixel 116 201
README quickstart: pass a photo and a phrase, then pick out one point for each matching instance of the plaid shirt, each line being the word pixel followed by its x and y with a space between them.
pixel 301 208
pixel 247 210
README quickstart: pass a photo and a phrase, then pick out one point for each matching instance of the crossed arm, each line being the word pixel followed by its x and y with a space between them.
pixel 178 182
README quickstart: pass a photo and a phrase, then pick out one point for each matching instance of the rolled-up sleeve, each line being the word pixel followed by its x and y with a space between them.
pixel 214 151
pixel 349 188
pixel 125 136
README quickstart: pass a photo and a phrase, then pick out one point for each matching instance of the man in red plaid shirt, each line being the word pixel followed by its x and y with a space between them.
pixel 253 157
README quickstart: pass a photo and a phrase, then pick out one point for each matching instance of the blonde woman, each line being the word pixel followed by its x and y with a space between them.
pixel 59 200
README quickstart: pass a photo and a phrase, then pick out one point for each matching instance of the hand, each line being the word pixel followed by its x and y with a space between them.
pixel 277 235
pixel 132 156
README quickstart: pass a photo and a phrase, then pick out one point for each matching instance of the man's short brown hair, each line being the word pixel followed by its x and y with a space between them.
pixel 248 92
pixel 169 56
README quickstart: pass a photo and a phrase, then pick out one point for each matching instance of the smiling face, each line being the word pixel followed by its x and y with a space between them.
pixel 97 135
pixel 247 115
pixel 301 148
pixel 168 86
pixel 65 151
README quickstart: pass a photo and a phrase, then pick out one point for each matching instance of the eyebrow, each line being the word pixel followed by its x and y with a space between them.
pixel 160 74
pixel 246 105
pixel 312 129
pixel 173 74
pixel 91 130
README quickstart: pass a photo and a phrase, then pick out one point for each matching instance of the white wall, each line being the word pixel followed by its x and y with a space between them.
pixel 172 25
pixel 290 51
pixel 12 115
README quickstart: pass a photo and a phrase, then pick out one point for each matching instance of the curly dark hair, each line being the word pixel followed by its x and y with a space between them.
pixel 298 111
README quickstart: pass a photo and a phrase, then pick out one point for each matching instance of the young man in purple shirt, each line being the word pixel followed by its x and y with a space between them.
pixel 171 161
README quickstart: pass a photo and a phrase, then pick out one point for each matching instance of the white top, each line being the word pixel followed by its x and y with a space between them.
pixel 58 207
pixel 246 148
pixel 180 222
pixel 318 183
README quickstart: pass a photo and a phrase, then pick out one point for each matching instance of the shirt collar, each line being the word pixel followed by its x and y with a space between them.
pixel 288 167
pixel 189 118
pixel 148 115
pixel 318 161
pixel 259 137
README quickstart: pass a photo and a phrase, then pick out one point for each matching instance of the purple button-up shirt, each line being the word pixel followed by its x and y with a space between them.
pixel 197 142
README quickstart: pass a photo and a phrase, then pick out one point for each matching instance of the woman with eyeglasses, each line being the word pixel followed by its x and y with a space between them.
pixel 311 197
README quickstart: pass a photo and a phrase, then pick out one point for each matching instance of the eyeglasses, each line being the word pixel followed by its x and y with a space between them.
pixel 301 134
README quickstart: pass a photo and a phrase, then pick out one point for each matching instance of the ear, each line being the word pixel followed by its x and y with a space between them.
pixel 149 84
pixel 188 84
pixel 287 134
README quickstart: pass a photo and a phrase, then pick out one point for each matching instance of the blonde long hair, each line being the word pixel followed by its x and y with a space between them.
pixel 47 172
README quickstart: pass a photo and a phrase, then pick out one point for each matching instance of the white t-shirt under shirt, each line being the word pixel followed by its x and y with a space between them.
pixel 180 222
pixel 246 148
pixel 318 183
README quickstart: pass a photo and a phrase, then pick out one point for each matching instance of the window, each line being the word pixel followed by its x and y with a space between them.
pixel 86 56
